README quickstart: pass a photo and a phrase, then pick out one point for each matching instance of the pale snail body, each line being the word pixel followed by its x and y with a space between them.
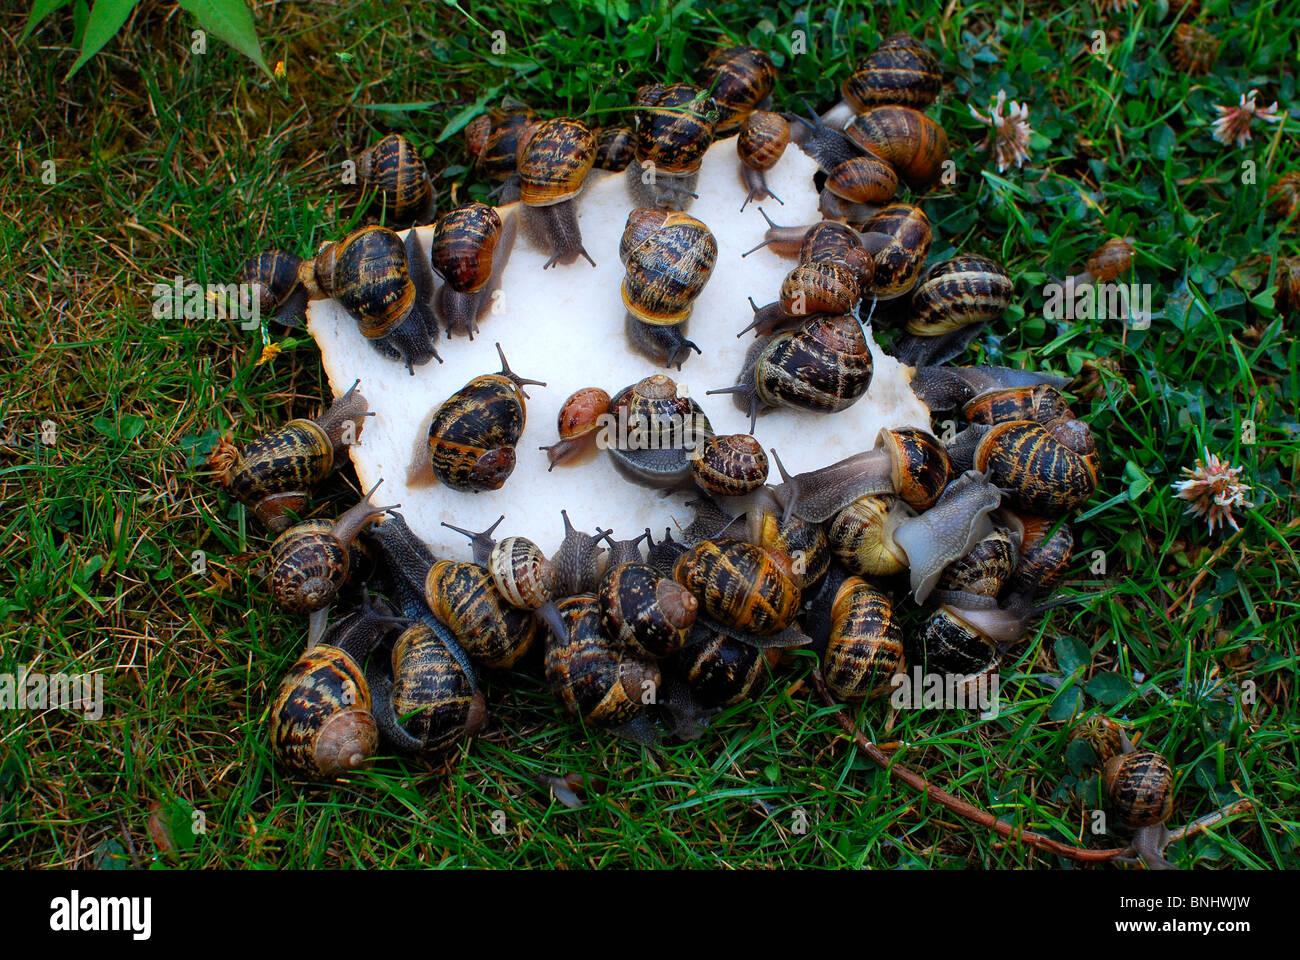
pixel 553 165
pixel 392 167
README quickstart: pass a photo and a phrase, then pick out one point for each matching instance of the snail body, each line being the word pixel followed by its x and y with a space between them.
pixel 272 474
pixel 465 241
pixel 553 165
pixel 578 422
pixel 865 647
pixel 668 258
pixel 473 434
pixel 739 585
pixel 430 703
pixel 392 167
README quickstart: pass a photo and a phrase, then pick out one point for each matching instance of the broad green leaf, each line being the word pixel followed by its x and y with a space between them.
pixel 1071 654
pixel 40 10
pixel 231 21
pixel 1109 687
pixel 106 18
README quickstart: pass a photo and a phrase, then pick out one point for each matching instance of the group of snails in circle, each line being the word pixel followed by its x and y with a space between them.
pixel 650 644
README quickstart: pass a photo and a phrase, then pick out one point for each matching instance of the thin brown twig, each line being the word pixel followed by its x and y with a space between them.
pixel 1243 805
pixel 955 804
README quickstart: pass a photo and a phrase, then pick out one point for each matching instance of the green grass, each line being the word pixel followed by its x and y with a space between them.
pixel 170 163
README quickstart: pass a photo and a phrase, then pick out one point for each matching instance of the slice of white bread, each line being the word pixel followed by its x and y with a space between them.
pixel 565 326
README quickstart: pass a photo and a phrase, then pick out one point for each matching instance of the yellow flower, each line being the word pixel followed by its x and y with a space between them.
pixel 280 71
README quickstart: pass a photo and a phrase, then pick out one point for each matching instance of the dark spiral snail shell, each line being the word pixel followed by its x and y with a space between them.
pixel 553 165
pixel 901 71
pixel 276 285
pixel 494 140
pixel 1041 402
pixel 722 671
pixel 740 79
pixel 674 128
pixel 739 585
pixel 658 432
pixel 473 434
pixel 645 610
pixel 862 535
pixel 983 572
pixel 863 180
pixel 615 148
pixel 1044 556
pixel 730 465
pixel 667 270
pixel 965 290
pixel 1140 787
pixel 493 632
pixel 898 237
pixel 464 242
pixel 865 647
pixel 431 703
pixel 392 167
pixel 1048 470
pixel 804 543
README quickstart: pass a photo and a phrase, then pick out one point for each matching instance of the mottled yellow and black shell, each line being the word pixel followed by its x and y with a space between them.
pixel 722 671
pixel 865 648
pixel 1041 402
pixel 1044 469
pixel 799 544
pixel 645 610
pixel 274 274
pixel 1140 786
pixel 901 70
pixel 762 140
pixel 739 585
pixel 674 127
pixel 498 156
pixel 667 270
pixel 615 148
pixel 321 720
pixel 921 468
pixel 861 535
pixel 272 473
pixel 1044 558
pixel 822 286
pixel 730 465
pixel 898 237
pixel 463 242
pixel 473 434
pixel 909 141
pixel 555 161
pixel 985 570
pixel 828 240
pixel 824 366
pixel 594 678
pixel 372 281
pixel 656 417
pixel 740 78
pixel 956 293
pixel 465 598
pixel 308 566
pixel 951 645
pixel 394 169
pixel 434 700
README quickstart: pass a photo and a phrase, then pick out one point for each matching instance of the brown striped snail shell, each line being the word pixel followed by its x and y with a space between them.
pixel 1108 261
pixel 473 434
pixel 645 610
pixel 730 465
pixel 495 144
pixel 553 165
pixel 657 432
pixel 898 237
pixel 762 141
pixel 272 474
pixel 321 724
pixel 615 148
pixel 386 286
pixel 829 240
pixel 901 71
pixel 824 367
pixel 1195 49
pixel 464 241
pixel 722 671
pixel 985 570
pixel 739 585
pixel 1140 788
pixel 803 543
pixel 862 535
pixel 392 167
pixel 1041 402
pixel 1284 197
pixel 823 286
pixel 740 79
pixel 865 648
pixel 465 598
pixel 311 561
pixel 1044 556
pixel 910 142
pixel 674 128
pixel 431 703
pixel 1043 469
pixel 594 678
pixel 865 180
pixel 962 291
pixel 578 423
pixel 668 269
pixel 274 276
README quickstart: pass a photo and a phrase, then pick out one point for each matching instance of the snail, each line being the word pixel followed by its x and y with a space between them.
pixel 824 366
pixel 470 247
pixel 913 145
pixel 740 80
pixel 674 128
pixel 615 148
pixel 663 555
pixel 1047 469
pixel 473 434
pixel 721 670
pixel 321 722
pixel 952 302
pixel 273 473
pixel 739 585
pixel 864 649
pixel 393 169
pixel 1107 262
pixel 1040 402
pixel 981 573
pixel 580 560
pixel 657 432
pixel 386 286
pixel 465 598
pixel 863 180
pixel 900 71
pixel 596 679
pixel 730 465
pixel 898 237
pixel 669 258
pixel 494 139
pixel 861 535
pixel 944 388
pixel 1284 197
pixel 805 543
pixel 1044 554
pixel 646 611
pixel 1139 788
pixel 430 703
pixel 553 164
pixel 580 418
pixel 762 140
pixel 277 288
pixel 311 561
